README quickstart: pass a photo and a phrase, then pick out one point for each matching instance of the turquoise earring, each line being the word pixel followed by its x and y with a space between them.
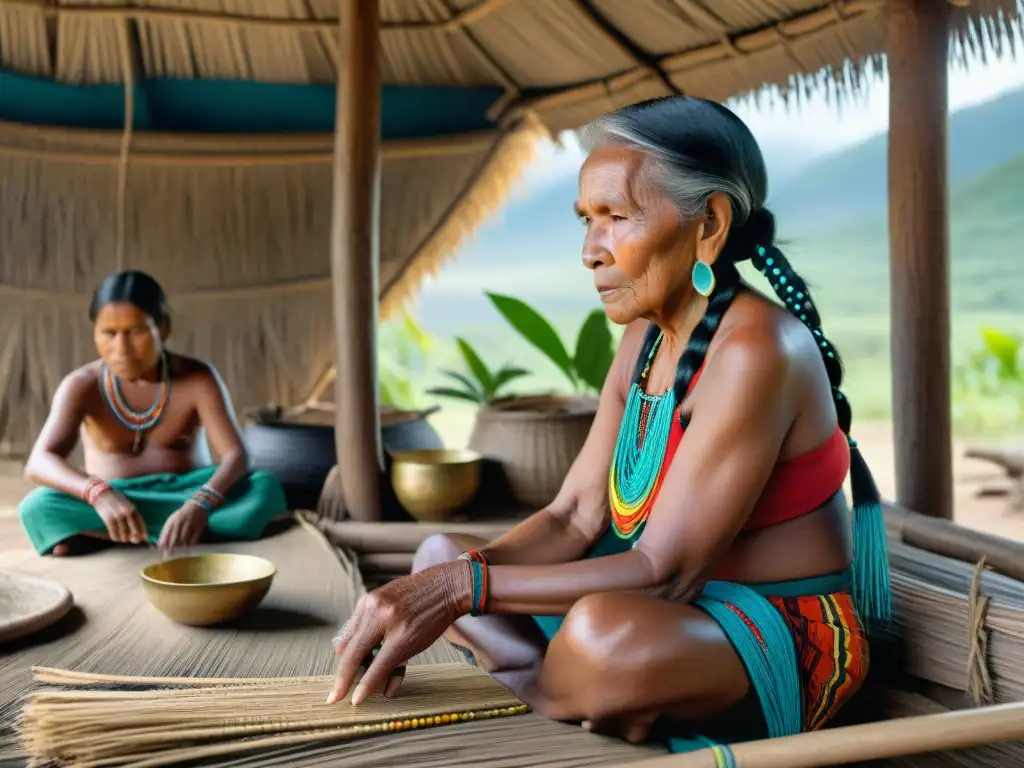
pixel 703 278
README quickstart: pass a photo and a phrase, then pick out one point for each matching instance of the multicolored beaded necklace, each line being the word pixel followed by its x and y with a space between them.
pixel 136 421
pixel 639 452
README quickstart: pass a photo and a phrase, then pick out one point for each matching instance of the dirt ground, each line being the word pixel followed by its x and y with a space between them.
pixel 986 513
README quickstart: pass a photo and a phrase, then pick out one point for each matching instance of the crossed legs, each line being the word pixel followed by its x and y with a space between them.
pixel 620 661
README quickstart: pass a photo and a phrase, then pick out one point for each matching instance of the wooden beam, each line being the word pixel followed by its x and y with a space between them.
pixel 407 537
pixel 918 44
pixel 626 46
pixel 355 245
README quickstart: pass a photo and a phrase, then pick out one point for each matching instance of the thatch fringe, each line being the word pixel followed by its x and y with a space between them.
pixel 483 194
pixel 835 49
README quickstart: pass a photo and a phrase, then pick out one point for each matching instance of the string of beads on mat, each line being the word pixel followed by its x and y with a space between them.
pixel 445 719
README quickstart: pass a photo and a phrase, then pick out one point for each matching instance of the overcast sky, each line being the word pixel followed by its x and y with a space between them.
pixel 816 124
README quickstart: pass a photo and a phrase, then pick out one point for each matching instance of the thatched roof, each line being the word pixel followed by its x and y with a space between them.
pixel 565 60
pixel 220 184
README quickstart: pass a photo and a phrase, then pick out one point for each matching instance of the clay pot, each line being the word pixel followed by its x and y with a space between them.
pixel 300 451
pixel 534 440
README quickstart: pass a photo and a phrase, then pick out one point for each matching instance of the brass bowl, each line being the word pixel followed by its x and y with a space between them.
pixel 434 484
pixel 207 589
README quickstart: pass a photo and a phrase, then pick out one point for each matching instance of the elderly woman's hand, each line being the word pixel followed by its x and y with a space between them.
pixel 403 618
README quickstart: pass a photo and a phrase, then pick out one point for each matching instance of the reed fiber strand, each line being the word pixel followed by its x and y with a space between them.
pixel 174 724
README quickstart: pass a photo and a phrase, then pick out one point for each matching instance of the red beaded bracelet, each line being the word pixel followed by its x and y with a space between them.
pixel 476 556
pixel 93 490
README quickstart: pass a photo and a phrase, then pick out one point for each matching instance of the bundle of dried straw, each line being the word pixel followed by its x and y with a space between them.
pixel 962 626
pixel 166 724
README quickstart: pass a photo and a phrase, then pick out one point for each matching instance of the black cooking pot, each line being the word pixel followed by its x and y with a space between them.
pixel 301 455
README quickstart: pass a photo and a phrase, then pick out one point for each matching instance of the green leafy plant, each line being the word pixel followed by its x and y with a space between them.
pixel 996 365
pixel 1004 351
pixel 403 349
pixel 588 366
pixel 479 385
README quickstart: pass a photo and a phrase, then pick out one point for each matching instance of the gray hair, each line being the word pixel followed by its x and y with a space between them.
pixel 663 134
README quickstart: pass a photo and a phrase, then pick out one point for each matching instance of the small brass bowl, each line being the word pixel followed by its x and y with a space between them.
pixel 434 484
pixel 207 589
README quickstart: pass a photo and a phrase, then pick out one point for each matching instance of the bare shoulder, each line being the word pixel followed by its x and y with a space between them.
pixel 192 370
pixel 761 342
pixel 81 382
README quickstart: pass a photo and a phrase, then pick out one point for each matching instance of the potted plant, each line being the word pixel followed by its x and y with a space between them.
pixel 536 438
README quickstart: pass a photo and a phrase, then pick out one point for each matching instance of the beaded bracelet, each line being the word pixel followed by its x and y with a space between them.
pixel 476 556
pixel 480 564
pixel 479 601
pixel 93 490
pixel 208 498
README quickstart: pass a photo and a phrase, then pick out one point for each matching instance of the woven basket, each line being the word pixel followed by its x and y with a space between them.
pixel 534 440
pixel 29 604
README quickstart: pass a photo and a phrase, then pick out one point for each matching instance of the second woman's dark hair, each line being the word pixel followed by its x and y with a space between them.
pixel 131 287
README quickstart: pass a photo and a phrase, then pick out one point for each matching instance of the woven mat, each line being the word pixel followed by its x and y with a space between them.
pixel 114 630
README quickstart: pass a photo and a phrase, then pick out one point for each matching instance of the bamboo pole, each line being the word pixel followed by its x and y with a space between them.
pixel 872 741
pixel 355 245
pixel 919 254
pixel 946 538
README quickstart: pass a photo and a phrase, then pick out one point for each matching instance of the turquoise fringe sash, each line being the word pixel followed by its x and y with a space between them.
pixel 872 588
pixel 770 659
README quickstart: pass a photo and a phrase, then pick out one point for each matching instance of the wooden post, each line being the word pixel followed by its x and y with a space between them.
pixel 918 44
pixel 355 249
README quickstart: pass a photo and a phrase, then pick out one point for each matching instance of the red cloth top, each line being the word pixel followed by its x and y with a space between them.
pixel 795 488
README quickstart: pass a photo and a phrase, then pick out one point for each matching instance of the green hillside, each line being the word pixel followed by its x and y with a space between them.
pixel 851 264
pixel 851 184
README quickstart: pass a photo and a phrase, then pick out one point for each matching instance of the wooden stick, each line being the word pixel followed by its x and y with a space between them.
pixel 1011 460
pixel 944 537
pixel 404 537
pixel 872 741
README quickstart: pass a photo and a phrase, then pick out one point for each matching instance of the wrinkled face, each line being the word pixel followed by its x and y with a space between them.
pixel 128 340
pixel 640 252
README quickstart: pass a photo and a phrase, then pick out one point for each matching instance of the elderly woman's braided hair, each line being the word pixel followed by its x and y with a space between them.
pixel 697 148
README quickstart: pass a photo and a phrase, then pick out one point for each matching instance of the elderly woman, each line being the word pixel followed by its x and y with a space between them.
pixel 699 568
pixel 138 410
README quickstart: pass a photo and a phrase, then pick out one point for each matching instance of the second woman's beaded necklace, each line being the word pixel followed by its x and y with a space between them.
pixel 639 453
pixel 137 421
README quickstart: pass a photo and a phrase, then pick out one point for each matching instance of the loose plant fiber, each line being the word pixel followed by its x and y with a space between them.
pixel 961 626
pixel 170 725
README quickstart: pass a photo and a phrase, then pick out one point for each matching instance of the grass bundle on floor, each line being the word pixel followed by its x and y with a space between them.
pixel 169 721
